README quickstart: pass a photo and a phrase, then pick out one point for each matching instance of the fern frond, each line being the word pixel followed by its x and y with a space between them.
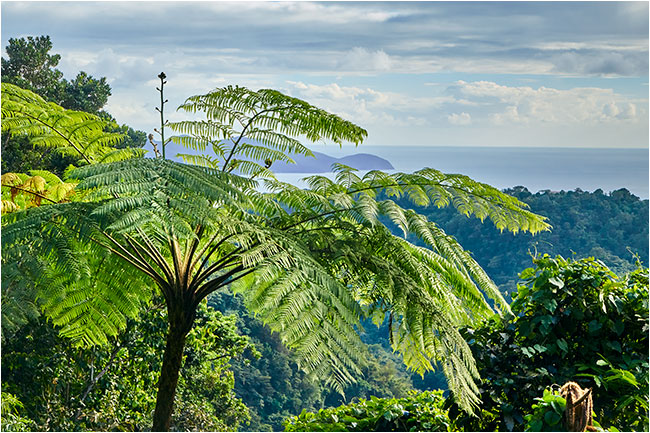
pixel 237 115
pixel 68 132
pixel 200 160
pixel 312 262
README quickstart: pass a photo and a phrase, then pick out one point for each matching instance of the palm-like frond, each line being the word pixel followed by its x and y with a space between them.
pixel 312 261
pixel 68 132
pixel 429 292
pixel 313 310
pixel 53 252
pixel 237 118
pixel 93 305
pixel 158 193
pixel 20 190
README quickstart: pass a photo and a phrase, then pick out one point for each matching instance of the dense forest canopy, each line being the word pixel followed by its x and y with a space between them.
pixel 612 227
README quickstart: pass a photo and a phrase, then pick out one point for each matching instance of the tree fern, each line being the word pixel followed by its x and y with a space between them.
pixel 312 262
pixel 48 251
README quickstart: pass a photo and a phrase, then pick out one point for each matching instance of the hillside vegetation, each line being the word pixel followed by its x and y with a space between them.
pixel 610 227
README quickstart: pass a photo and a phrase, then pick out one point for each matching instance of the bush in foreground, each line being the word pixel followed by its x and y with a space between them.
pixel 417 412
pixel 575 321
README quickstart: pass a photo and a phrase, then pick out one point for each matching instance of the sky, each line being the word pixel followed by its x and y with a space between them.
pixel 551 74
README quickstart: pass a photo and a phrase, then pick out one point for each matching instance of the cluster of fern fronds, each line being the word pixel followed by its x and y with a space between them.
pixel 313 262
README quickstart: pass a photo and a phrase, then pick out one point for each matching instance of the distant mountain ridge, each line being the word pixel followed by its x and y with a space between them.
pixel 320 163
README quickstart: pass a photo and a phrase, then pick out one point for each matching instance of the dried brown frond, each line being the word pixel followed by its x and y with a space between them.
pixel 579 407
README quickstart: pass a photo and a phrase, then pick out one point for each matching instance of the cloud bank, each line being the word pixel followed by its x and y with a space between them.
pixel 435 72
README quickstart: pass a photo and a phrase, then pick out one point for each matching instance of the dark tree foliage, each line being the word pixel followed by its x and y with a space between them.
pixel 31 66
pixel 132 137
pixel 585 223
pixel 575 321
pixel 20 156
pixel 64 388
pixel 86 93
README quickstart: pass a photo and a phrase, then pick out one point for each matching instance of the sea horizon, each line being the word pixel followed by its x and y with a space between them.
pixel 536 168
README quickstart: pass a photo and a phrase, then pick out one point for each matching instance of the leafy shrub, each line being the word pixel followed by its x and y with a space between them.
pixel 10 419
pixel 576 321
pixel 417 412
pixel 547 413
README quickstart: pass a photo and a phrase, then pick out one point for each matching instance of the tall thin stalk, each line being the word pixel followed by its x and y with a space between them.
pixel 161 110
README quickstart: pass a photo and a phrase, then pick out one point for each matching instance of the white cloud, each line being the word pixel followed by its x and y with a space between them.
pixel 627 45
pixel 354 103
pixel 610 110
pixel 509 115
pixel 581 105
pixel 362 60
pixel 609 63
pixel 459 119
pixel 629 112
pixel 422 37
pixel 108 63
pixel 133 112
pixel 366 105
pixel 307 12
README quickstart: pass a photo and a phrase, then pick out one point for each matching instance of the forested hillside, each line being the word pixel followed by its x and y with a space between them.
pixel 274 388
pixel 30 65
pixel 610 227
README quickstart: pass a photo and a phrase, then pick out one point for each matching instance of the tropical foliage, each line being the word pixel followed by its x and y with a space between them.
pixel 68 132
pixel 417 412
pixel 569 313
pixel 67 388
pixel 12 420
pixel 80 135
pixel 575 321
pixel 547 412
pixel 20 191
pixel 29 65
pixel 235 115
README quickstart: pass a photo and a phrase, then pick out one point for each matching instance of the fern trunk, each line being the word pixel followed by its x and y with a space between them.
pixel 172 361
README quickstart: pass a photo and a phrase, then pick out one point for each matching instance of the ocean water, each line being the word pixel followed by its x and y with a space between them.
pixel 535 168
